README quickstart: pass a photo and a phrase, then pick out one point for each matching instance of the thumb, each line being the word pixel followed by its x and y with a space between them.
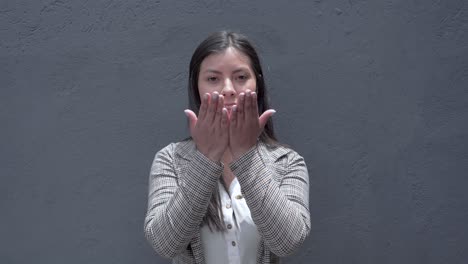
pixel 192 117
pixel 263 119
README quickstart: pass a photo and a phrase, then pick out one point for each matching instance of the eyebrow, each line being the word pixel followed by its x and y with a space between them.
pixel 218 72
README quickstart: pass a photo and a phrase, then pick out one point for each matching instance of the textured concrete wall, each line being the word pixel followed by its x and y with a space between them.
pixel 374 94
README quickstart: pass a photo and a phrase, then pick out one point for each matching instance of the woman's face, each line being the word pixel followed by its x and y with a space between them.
pixel 229 73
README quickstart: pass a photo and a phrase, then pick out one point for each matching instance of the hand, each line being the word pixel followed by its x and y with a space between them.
pixel 245 126
pixel 210 129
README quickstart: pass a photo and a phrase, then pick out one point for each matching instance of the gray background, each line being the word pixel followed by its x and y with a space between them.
pixel 374 95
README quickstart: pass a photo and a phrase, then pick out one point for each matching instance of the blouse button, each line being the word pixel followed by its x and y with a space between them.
pixel 229 226
pixel 228 206
pixel 238 197
pixel 233 243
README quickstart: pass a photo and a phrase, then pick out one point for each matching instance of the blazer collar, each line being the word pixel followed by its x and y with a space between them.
pixel 184 149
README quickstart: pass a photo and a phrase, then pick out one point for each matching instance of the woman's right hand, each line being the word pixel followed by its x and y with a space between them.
pixel 210 129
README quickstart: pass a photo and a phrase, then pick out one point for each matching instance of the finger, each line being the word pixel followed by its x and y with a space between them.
pixel 204 106
pixel 219 110
pixel 212 107
pixel 233 119
pixel 240 107
pixel 248 105
pixel 247 101
pixel 224 119
pixel 254 110
pixel 192 117
pixel 263 119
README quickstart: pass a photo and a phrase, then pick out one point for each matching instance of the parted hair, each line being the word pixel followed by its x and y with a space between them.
pixel 218 42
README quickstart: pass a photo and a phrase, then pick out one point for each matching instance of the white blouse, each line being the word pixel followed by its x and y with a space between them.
pixel 239 244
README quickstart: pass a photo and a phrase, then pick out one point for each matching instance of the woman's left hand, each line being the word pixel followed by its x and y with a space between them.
pixel 245 125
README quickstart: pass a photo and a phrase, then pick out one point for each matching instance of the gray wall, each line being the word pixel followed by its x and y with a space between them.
pixel 374 94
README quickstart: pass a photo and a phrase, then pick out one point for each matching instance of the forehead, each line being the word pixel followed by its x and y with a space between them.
pixel 229 59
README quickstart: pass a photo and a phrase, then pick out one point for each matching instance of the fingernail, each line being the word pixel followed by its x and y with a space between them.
pixel 186 112
pixel 215 96
pixel 205 96
pixel 273 112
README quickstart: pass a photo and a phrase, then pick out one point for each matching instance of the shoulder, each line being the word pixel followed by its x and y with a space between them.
pixel 278 153
pixel 177 149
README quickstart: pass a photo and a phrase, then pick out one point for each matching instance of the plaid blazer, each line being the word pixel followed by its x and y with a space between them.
pixel 274 181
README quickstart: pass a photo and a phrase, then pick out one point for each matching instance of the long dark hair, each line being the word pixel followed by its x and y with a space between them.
pixel 217 43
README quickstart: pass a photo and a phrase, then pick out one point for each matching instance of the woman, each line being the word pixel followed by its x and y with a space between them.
pixel 231 193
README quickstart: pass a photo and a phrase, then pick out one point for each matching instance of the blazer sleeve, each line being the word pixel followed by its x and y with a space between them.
pixel 279 209
pixel 177 203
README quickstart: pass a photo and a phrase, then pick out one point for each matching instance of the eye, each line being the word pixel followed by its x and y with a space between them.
pixel 212 79
pixel 242 77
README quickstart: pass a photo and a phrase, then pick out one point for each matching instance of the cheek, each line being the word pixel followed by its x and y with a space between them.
pixel 251 85
pixel 202 89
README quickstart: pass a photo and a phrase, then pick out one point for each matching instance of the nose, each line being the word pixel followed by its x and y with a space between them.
pixel 228 89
